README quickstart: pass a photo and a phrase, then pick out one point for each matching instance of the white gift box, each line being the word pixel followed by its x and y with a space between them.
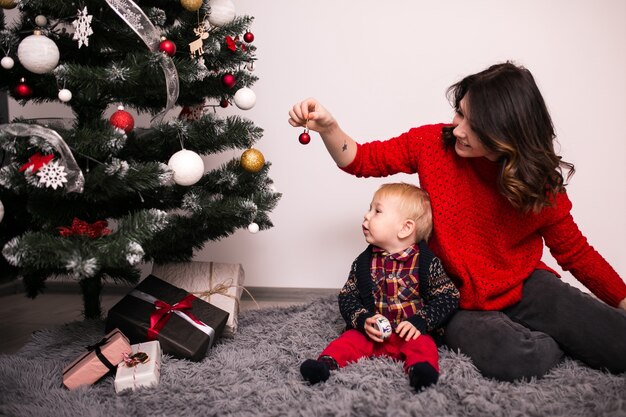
pixel 220 284
pixel 132 373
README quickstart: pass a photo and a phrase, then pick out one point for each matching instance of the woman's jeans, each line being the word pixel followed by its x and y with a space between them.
pixel 527 339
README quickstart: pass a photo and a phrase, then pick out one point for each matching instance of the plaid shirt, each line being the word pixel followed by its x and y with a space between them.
pixel 396 283
pixel 390 284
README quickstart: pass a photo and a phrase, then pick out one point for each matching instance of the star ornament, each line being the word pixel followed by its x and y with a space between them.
pixel 82 27
pixel 52 175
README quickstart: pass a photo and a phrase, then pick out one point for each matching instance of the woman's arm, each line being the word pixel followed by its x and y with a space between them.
pixel 573 253
pixel 310 113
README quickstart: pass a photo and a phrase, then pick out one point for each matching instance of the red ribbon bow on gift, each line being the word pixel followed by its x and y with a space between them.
pixel 36 161
pixel 161 315
pixel 82 228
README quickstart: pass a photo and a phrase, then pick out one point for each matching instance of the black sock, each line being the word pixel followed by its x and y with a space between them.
pixel 422 375
pixel 317 371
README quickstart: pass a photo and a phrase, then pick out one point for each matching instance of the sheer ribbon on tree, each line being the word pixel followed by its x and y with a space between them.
pixel 136 19
pixel 75 178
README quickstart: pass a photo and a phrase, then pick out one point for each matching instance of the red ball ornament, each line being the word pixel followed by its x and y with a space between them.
pixel 229 80
pixel 224 103
pixel 122 119
pixel 168 47
pixel 304 138
pixel 23 90
pixel 248 37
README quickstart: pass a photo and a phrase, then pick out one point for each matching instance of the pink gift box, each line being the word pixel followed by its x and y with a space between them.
pixel 97 361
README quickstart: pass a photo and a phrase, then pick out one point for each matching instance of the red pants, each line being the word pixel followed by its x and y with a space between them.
pixel 353 345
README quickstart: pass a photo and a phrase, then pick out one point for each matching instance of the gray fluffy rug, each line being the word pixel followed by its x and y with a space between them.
pixel 256 373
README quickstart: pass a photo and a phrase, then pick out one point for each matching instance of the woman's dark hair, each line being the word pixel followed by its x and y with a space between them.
pixel 510 117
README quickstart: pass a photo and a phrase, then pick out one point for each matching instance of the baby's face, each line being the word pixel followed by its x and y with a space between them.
pixel 383 221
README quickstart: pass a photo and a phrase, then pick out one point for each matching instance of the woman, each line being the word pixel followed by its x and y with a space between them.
pixel 498 193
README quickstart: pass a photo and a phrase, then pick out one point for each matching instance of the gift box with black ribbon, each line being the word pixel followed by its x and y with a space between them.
pixel 98 360
pixel 185 325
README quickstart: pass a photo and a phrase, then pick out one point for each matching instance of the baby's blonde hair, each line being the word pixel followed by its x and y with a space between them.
pixel 414 204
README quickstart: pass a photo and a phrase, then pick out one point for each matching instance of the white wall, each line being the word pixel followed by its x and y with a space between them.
pixel 383 67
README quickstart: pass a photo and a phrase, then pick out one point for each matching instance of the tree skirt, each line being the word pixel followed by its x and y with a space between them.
pixel 256 373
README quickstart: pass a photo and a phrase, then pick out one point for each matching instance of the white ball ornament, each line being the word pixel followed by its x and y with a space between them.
pixel 1 211
pixel 253 228
pixel 38 54
pixel 222 12
pixel 245 98
pixel 65 95
pixel 188 167
pixel 7 62
pixel 41 20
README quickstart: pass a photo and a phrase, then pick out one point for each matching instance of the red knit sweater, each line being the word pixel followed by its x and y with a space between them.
pixel 487 246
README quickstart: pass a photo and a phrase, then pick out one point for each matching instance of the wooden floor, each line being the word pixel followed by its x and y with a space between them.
pixel 21 315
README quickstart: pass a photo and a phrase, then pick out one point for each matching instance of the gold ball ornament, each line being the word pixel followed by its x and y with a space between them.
pixel 8 4
pixel 191 5
pixel 252 161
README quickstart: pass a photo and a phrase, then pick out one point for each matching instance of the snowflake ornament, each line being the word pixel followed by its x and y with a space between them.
pixel 52 175
pixel 82 27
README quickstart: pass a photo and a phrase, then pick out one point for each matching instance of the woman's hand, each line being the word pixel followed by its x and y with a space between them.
pixel 407 331
pixel 319 119
pixel 310 113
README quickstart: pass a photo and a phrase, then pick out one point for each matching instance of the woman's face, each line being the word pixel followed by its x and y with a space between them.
pixel 468 145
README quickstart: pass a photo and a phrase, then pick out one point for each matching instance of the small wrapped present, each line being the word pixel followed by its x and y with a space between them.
pixel 185 325
pixel 220 284
pixel 99 359
pixel 142 368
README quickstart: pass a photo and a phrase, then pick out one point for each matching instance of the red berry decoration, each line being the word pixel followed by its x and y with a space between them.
pixel 23 90
pixel 122 119
pixel 304 138
pixel 248 37
pixel 224 103
pixel 229 80
pixel 168 47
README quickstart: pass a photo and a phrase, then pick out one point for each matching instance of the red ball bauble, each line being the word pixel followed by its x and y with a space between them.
pixel 304 138
pixel 122 119
pixel 23 90
pixel 248 37
pixel 168 47
pixel 229 80
pixel 224 103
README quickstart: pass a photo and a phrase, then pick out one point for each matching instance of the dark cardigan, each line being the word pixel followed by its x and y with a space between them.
pixel 437 309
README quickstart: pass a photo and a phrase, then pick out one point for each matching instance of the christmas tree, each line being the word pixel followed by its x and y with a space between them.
pixel 95 197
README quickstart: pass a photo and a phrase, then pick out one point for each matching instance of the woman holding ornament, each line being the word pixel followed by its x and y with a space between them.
pixel 498 193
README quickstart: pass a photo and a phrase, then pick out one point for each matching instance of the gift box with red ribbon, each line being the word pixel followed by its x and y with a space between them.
pixel 220 284
pixel 98 360
pixel 185 325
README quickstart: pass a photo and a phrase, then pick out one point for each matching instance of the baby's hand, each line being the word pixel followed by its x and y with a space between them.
pixel 407 331
pixel 371 329
pixel 319 119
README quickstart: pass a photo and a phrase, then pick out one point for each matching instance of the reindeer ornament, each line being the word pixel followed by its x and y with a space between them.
pixel 196 47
